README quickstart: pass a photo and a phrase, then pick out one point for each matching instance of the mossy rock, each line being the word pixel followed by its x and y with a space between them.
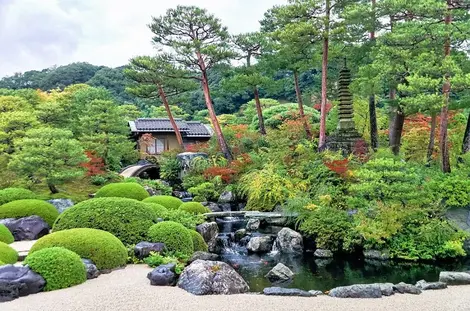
pixel 128 219
pixel 174 235
pixel 101 247
pixel 5 235
pixel 60 267
pixel 14 194
pixel 198 242
pixel 194 208
pixel 30 207
pixel 8 254
pixel 160 210
pixel 166 200
pixel 128 190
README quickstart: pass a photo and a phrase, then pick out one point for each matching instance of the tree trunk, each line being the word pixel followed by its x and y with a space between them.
pixel 392 111
pixel 397 129
pixel 374 135
pixel 432 137
pixel 301 106
pixel 52 188
pixel 445 161
pixel 207 96
pixel 324 78
pixel 466 137
pixel 262 129
pixel 170 116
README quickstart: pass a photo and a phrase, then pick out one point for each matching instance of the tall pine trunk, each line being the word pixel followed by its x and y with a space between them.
pixel 259 111
pixel 207 96
pixel 301 106
pixel 445 161
pixel 374 135
pixel 162 94
pixel 432 138
pixel 324 78
pixel 396 131
pixel 466 137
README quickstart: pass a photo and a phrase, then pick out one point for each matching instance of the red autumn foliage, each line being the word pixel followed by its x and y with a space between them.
pixel 318 107
pixel 340 167
pixel 197 147
pixel 95 165
pixel 361 150
pixel 225 173
pixel 241 162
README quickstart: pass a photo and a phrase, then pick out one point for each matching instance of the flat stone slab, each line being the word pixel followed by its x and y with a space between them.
pixel 22 247
pixel 248 214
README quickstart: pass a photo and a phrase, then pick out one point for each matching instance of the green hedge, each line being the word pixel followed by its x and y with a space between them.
pixel 7 254
pixel 128 219
pixel 14 194
pixel 128 190
pixel 2 263
pixel 175 236
pixel 159 209
pixel 166 200
pixel 25 208
pixel 198 241
pixel 5 235
pixel 60 267
pixel 103 248
pixel 194 208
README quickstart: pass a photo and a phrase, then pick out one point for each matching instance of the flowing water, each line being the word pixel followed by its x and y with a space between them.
pixel 321 274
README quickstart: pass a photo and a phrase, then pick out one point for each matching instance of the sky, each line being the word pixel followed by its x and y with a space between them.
pixel 37 34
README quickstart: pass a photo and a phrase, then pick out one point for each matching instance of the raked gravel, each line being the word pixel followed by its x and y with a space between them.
pixel 129 289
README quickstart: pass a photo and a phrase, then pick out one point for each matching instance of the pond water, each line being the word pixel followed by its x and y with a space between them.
pixel 323 274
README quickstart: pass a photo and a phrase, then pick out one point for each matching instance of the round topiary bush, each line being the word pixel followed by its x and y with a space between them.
pixel 7 254
pixel 198 242
pixel 25 208
pixel 2 263
pixel 101 247
pixel 128 190
pixel 14 194
pixel 175 236
pixel 160 210
pixel 129 220
pixel 166 200
pixel 60 267
pixel 5 235
pixel 194 208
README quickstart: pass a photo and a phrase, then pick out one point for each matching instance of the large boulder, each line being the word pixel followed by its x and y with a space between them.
pixel 209 231
pixel 227 197
pixel 288 241
pixel 212 277
pixel 19 281
pixel 253 224
pixel 280 273
pixel 143 249
pixel 239 234
pixel 423 285
pixel 163 275
pixel 260 244
pixel 376 254
pixel 279 291
pixel 323 253
pixel 203 256
pixel 214 207
pixel 404 288
pixel 357 291
pixel 92 271
pixel 454 278
pixel 61 204
pixel 27 228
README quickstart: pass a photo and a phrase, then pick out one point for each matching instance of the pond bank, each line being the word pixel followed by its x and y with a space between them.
pixel 129 289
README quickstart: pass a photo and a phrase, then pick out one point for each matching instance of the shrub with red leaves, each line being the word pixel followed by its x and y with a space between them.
pixel 225 173
pixel 340 167
pixel 95 165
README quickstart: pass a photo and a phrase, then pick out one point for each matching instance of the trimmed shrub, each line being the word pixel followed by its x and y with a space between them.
pixel 160 210
pixel 175 236
pixel 194 208
pixel 7 254
pixel 166 200
pixel 198 241
pixel 2 263
pixel 188 220
pixel 60 267
pixel 103 248
pixel 129 220
pixel 14 194
pixel 5 235
pixel 128 190
pixel 25 208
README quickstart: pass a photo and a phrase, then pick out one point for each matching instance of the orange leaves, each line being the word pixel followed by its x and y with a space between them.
pixel 95 165
pixel 340 167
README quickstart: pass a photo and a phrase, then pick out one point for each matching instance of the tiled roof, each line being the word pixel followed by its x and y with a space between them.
pixel 187 128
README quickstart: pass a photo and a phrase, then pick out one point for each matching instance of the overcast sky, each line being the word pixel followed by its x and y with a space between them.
pixel 36 34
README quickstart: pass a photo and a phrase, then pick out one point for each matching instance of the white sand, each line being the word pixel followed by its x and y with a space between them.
pixel 128 289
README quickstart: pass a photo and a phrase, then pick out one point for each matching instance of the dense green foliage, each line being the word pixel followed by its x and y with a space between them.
pixel 7 254
pixel 160 210
pixel 101 247
pixel 13 194
pixel 5 235
pixel 188 220
pixel 60 267
pixel 194 208
pixel 25 208
pixel 167 201
pixel 128 219
pixel 175 236
pixel 156 259
pixel 123 190
pixel 198 241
